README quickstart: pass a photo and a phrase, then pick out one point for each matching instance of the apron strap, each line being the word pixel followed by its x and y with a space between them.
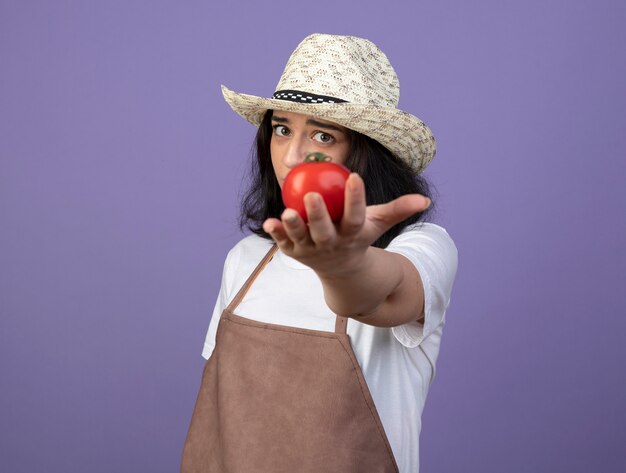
pixel 341 323
pixel 244 289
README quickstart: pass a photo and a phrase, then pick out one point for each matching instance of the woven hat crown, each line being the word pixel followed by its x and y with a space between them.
pixel 346 67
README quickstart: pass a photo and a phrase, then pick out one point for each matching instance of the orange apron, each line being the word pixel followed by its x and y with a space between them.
pixel 278 399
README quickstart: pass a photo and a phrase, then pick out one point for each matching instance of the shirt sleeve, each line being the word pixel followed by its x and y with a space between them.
pixel 433 252
pixel 222 301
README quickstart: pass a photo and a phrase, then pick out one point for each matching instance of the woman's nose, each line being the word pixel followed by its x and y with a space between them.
pixel 296 152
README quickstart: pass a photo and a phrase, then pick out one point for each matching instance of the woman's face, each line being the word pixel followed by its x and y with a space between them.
pixel 295 135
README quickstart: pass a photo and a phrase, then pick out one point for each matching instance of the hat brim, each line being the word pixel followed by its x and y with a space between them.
pixel 405 135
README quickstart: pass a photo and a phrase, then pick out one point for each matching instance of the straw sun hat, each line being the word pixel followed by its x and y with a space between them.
pixel 349 81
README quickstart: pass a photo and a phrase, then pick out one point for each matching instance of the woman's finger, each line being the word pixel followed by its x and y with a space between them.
pixel 405 206
pixel 295 228
pixel 321 228
pixel 275 229
pixel 354 206
pixel 385 216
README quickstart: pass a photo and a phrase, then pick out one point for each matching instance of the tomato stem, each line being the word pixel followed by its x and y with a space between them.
pixel 316 157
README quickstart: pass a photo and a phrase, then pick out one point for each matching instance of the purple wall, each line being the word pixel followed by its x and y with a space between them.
pixel 120 166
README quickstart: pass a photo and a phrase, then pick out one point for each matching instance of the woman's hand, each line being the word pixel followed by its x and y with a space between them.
pixel 337 250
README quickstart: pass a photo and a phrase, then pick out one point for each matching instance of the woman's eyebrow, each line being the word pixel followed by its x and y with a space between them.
pixel 312 121
pixel 280 119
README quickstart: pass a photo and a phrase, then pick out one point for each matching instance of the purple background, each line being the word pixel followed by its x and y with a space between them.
pixel 120 167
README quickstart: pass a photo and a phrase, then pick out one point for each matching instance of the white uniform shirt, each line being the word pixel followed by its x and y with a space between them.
pixel 398 363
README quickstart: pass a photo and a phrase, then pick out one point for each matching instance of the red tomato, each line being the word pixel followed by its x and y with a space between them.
pixel 316 174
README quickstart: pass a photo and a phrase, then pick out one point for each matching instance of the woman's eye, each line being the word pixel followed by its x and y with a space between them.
pixel 323 137
pixel 281 130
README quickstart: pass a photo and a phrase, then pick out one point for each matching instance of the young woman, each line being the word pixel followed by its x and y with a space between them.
pixel 325 336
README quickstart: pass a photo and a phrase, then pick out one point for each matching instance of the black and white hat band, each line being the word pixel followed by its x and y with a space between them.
pixel 304 97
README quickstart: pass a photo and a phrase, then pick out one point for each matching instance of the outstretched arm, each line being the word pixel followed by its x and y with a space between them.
pixel 369 284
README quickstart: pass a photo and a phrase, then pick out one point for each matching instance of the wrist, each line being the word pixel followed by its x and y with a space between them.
pixel 349 267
